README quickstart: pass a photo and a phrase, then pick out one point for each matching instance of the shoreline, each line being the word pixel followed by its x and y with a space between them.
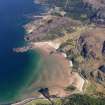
pixel 45 48
pixel 46 34
pixel 48 48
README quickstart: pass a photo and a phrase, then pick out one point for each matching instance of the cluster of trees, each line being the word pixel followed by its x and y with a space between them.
pixel 84 100
pixel 76 100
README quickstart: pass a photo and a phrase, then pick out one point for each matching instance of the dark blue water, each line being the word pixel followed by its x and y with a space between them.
pixel 16 69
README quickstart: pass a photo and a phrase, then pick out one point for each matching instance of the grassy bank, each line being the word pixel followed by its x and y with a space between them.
pixel 56 101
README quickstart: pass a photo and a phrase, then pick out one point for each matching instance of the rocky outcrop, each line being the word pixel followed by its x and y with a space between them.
pixel 92 44
pixel 88 54
pixel 102 68
pixel 103 49
pixel 98 76
pixel 50 27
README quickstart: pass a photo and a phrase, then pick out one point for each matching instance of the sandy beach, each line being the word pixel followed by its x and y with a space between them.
pixel 56 73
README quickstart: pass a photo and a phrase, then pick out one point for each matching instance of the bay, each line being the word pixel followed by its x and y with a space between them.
pixel 16 69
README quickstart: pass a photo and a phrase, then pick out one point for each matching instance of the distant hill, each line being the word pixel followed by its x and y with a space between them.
pixel 88 10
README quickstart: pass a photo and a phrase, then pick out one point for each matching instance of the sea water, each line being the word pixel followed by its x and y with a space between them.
pixel 16 69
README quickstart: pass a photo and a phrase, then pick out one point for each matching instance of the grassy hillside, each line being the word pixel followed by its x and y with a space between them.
pixel 76 9
pixel 72 100
pixel 84 100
